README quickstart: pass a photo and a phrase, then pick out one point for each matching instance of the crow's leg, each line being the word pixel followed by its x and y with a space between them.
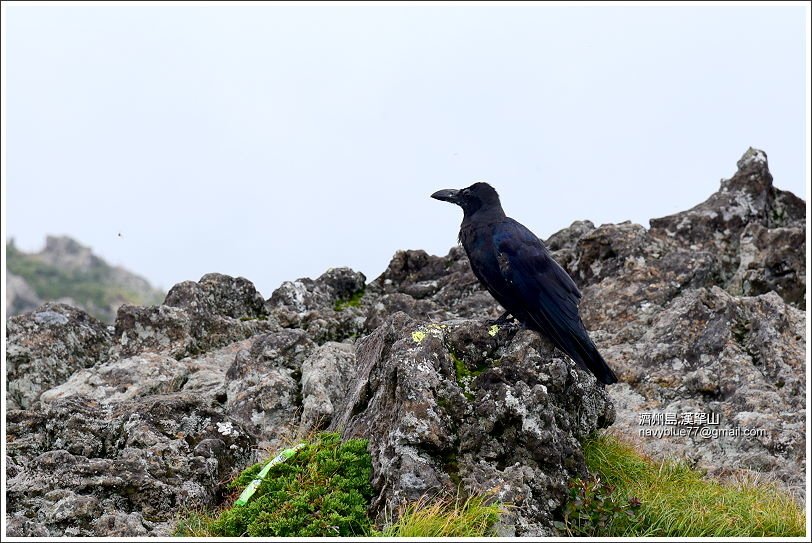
pixel 504 318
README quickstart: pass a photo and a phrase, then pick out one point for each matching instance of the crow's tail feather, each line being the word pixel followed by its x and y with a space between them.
pixel 600 368
pixel 589 358
pixel 575 341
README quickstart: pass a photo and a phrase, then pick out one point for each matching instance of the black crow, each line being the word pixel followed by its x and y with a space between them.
pixel 518 270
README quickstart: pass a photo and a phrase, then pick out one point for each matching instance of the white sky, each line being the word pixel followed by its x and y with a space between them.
pixel 274 142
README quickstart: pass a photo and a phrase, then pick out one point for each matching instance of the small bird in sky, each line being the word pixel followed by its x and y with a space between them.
pixel 521 274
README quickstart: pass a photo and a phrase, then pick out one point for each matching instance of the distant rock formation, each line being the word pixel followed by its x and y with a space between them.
pixel 20 297
pixel 67 272
pixel 110 433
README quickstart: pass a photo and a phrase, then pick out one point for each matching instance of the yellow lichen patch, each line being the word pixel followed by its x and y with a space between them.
pixel 493 330
pixel 431 329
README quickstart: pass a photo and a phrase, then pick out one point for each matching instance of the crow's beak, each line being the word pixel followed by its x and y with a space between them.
pixel 447 195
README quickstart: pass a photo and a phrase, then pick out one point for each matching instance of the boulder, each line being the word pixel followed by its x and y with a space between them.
pixel 195 318
pixel 45 347
pixel 78 467
pixel 460 405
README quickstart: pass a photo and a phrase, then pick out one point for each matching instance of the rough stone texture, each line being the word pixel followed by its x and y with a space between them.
pixel 701 313
pixel 130 433
pixel 512 430
pixel 122 380
pixel 771 260
pixel 153 328
pixel 195 318
pixel 219 294
pixel 313 305
pixel 738 359
pixel 428 287
pixel 263 384
pixel 325 381
pixel 747 198
pixel 77 467
pixel 46 346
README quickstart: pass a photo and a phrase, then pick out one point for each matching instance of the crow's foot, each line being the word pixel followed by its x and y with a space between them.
pixel 504 318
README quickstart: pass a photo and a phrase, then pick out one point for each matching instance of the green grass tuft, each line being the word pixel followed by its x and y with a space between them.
pixel 451 517
pixel 676 500
pixel 194 524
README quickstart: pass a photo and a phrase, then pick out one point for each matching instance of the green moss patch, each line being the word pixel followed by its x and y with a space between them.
pixel 352 301
pixel 466 375
pixel 323 490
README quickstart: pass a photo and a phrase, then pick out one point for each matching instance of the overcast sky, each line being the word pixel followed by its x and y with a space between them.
pixel 274 142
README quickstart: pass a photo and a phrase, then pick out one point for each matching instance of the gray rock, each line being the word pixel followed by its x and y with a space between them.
pixel 263 385
pixel 429 287
pixel 118 524
pixel 563 242
pixel 207 372
pixel 319 306
pixel 195 318
pixel 122 380
pixel 603 252
pixel 771 260
pixel 45 347
pixel 736 359
pixel 78 467
pixel 685 345
pixel 325 381
pixel 219 294
pixel 154 328
pixel 509 424
pixel 716 225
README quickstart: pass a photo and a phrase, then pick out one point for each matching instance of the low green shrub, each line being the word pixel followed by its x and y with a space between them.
pixel 323 490
pixel 593 506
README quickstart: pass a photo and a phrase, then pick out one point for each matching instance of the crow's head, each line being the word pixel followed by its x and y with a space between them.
pixel 470 199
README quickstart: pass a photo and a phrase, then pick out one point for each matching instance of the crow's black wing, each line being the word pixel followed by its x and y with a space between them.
pixel 544 290
pixel 545 294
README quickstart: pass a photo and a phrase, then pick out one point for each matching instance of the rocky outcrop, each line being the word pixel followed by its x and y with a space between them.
pixel 111 431
pixel 80 467
pixel 745 214
pixel 702 313
pixel 461 406
pixel 119 431
pixel 327 308
pixel 46 347
pixel 196 317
